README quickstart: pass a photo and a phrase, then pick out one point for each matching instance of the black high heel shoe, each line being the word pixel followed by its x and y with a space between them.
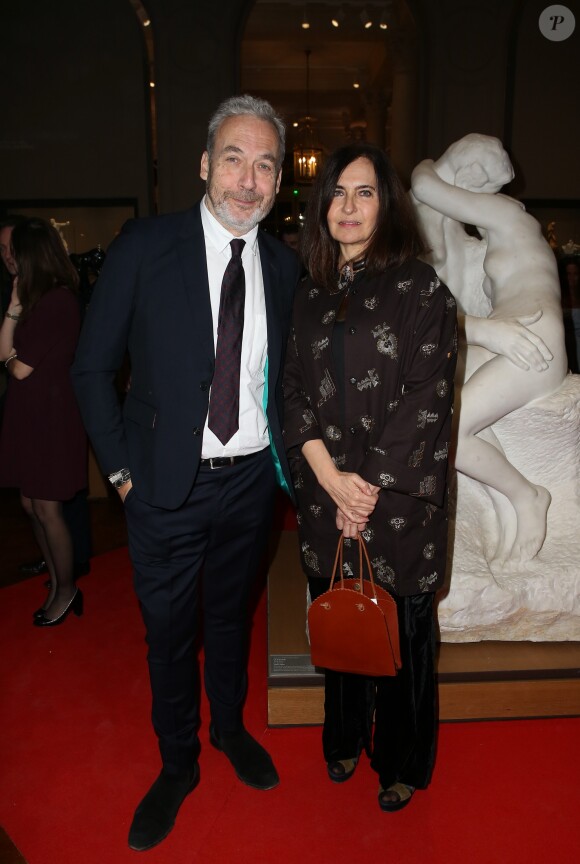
pixel 75 605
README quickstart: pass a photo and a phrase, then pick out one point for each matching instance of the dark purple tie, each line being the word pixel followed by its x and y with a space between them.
pixel 224 404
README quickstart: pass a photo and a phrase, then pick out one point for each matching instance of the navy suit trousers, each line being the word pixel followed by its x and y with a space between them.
pixel 194 571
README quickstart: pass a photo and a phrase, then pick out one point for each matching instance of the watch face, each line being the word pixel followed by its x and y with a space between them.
pixel 124 477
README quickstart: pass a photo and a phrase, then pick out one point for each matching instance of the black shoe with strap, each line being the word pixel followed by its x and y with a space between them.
pixel 341 770
pixel 395 797
pixel 155 816
pixel 252 764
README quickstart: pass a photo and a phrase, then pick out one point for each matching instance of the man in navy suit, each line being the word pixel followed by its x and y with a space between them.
pixel 197 509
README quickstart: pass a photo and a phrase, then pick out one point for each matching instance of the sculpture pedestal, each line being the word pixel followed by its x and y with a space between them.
pixel 539 601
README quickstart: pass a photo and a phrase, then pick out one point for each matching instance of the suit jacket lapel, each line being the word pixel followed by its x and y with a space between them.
pixel 193 263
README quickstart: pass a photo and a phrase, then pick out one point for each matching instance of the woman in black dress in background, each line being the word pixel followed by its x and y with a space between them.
pixel 43 445
pixel 368 397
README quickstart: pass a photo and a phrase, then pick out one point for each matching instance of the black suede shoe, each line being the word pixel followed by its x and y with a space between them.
pixel 252 764
pixel 155 816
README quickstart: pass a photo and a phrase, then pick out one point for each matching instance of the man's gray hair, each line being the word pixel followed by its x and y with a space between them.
pixel 239 105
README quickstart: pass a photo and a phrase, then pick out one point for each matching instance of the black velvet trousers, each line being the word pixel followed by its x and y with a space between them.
pixel 404 706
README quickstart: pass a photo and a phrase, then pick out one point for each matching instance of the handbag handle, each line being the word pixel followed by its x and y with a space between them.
pixel 362 548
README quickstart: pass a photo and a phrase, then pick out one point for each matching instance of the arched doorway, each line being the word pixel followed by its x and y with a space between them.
pixel 353 81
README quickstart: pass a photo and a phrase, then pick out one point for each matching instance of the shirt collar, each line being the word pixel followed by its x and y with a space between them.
pixel 219 237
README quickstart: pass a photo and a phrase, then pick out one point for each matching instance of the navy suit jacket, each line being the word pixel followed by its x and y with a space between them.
pixel 152 300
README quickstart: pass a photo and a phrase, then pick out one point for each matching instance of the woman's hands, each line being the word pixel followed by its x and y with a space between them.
pixel 348 528
pixel 511 338
pixel 346 525
pixel 354 497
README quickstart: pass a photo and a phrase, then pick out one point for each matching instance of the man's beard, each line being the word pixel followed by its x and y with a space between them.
pixel 237 221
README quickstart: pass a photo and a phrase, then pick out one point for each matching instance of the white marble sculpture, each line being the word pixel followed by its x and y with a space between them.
pixel 514 568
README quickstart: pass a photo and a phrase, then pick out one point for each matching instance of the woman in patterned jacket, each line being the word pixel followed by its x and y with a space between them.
pixel 368 391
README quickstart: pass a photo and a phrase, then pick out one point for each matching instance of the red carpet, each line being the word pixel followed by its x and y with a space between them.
pixel 77 753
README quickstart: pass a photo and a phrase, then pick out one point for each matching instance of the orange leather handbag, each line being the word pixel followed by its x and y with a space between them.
pixel 354 626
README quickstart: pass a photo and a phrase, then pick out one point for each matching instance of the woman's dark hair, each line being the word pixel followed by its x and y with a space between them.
pixel 396 238
pixel 42 262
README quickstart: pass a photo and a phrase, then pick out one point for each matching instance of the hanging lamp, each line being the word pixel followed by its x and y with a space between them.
pixel 307 150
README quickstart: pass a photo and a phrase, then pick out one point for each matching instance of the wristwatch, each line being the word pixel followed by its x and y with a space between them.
pixel 119 478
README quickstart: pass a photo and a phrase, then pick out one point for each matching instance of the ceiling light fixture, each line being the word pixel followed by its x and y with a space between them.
pixel 305 22
pixel 383 24
pixel 307 150
pixel 338 19
pixel 367 21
